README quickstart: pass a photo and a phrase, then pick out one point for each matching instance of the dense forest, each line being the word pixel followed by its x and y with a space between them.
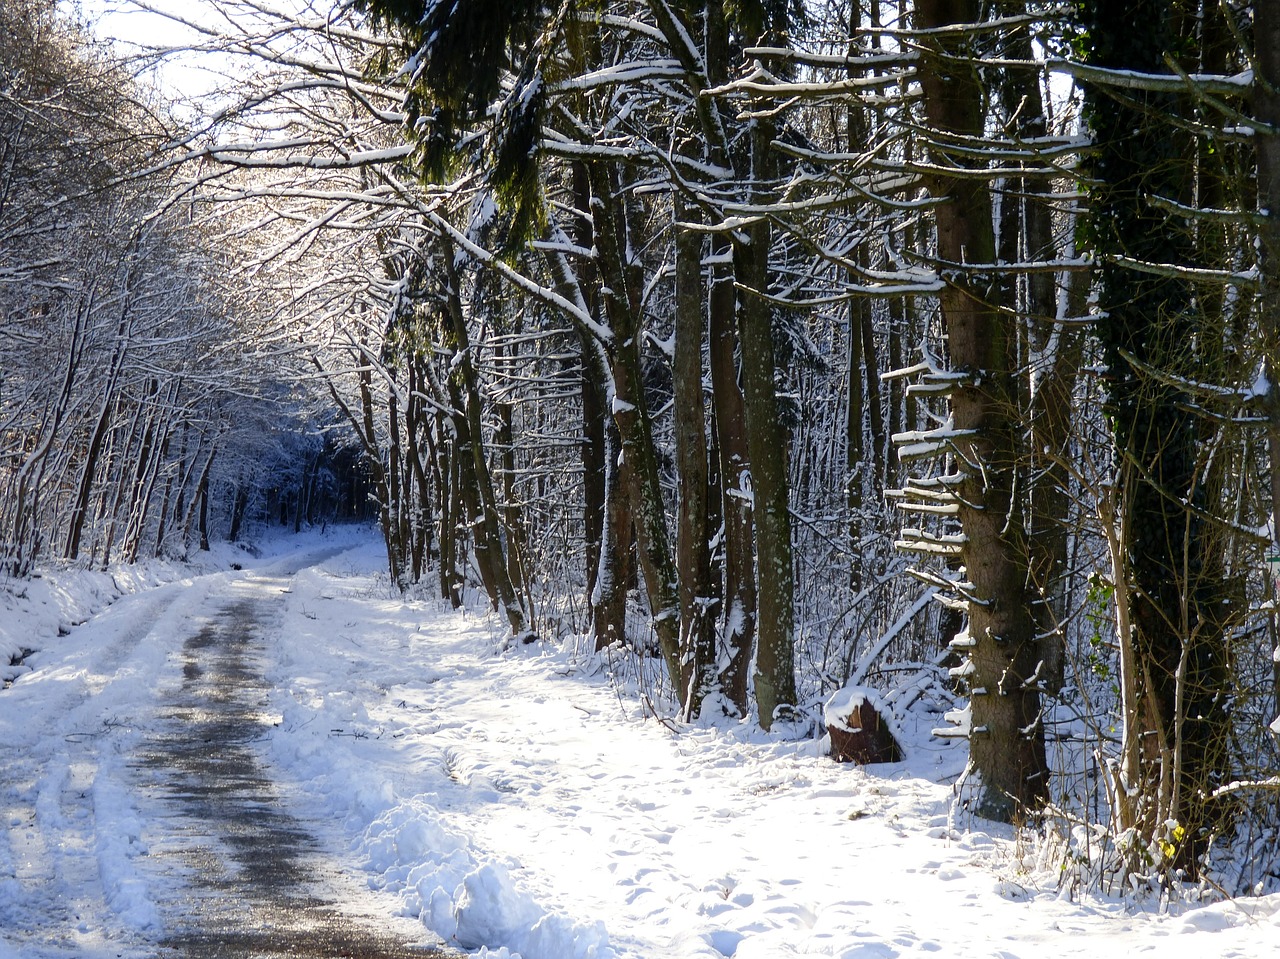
pixel 770 348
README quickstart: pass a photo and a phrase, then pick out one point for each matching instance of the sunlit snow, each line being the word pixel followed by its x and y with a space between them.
pixel 511 801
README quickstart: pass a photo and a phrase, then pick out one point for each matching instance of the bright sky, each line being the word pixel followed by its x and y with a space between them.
pixel 135 29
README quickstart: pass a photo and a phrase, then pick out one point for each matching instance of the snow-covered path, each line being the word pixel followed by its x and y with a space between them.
pixel 518 801
pixel 257 884
pixel 139 820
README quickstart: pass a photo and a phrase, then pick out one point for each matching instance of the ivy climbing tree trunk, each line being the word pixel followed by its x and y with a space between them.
pixel 1152 339
pixel 1266 108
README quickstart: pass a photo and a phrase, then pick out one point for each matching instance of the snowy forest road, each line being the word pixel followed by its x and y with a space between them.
pixel 298 759
pixel 155 827
pixel 259 885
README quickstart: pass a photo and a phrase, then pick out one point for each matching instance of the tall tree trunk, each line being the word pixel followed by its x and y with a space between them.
pixel 202 481
pixel 416 427
pixel 775 688
pixel 488 521
pixel 1053 351
pixel 155 451
pixel 864 464
pixel 775 656
pixel 635 428
pixel 162 526
pixel 24 538
pixel 394 473
pixel 1006 739
pixel 1266 108
pixel 607 524
pixel 738 621
pixel 700 676
pixel 88 470
pixel 378 471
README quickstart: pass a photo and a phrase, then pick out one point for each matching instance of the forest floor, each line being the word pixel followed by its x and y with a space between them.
pixel 288 758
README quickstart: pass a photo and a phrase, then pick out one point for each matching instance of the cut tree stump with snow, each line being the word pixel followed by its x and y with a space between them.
pixel 859 731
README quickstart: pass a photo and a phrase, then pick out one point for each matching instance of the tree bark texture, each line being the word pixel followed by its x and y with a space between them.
pixel 699 676
pixel 1007 738
pixel 775 684
pixel 631 414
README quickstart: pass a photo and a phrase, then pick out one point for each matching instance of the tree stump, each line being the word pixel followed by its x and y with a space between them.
pixel 858 730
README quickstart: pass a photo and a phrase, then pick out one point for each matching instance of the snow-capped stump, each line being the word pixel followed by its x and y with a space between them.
pixel 859 731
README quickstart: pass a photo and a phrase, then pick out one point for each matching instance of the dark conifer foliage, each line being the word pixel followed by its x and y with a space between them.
pixel 459 52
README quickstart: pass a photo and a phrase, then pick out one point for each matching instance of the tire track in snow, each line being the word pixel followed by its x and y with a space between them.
pixel 252 879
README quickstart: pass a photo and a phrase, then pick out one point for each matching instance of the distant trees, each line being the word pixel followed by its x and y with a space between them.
pixel 123 382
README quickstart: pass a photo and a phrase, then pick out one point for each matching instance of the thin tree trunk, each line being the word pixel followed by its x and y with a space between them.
pixel 738 621
pixel 202 494
pixel 693 554
pixel 1026 235
pixel 88 471
pixel 416 427
pixel 1266 108
pixel 162 526
pixel 487 522
pixel 775 689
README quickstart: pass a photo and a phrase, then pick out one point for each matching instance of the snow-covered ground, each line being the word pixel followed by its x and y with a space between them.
pixel 515 800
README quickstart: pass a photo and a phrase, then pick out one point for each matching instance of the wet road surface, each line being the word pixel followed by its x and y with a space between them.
pixel 254 881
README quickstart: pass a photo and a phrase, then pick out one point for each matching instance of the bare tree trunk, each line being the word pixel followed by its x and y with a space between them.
pixel 416 427
pixel 1006 736
pixel 450 509
pixel 202 494
pixel 145 492
pixel 738 621
pixel 162 526
pixel 1026 235
pixel 775 688
pixel 398 521
pixel 1266 108
pixel 88 470
pixel 487 522
pixel 700 677
pixel 635 428
pixel 202 482
pixel 378 472
pixel 25 535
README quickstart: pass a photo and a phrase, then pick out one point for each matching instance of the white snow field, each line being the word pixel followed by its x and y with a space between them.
pixel 513 801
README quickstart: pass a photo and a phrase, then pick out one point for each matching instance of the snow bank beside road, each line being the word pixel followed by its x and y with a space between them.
pixel 357 731
pixel 34 613
pixel 517 803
